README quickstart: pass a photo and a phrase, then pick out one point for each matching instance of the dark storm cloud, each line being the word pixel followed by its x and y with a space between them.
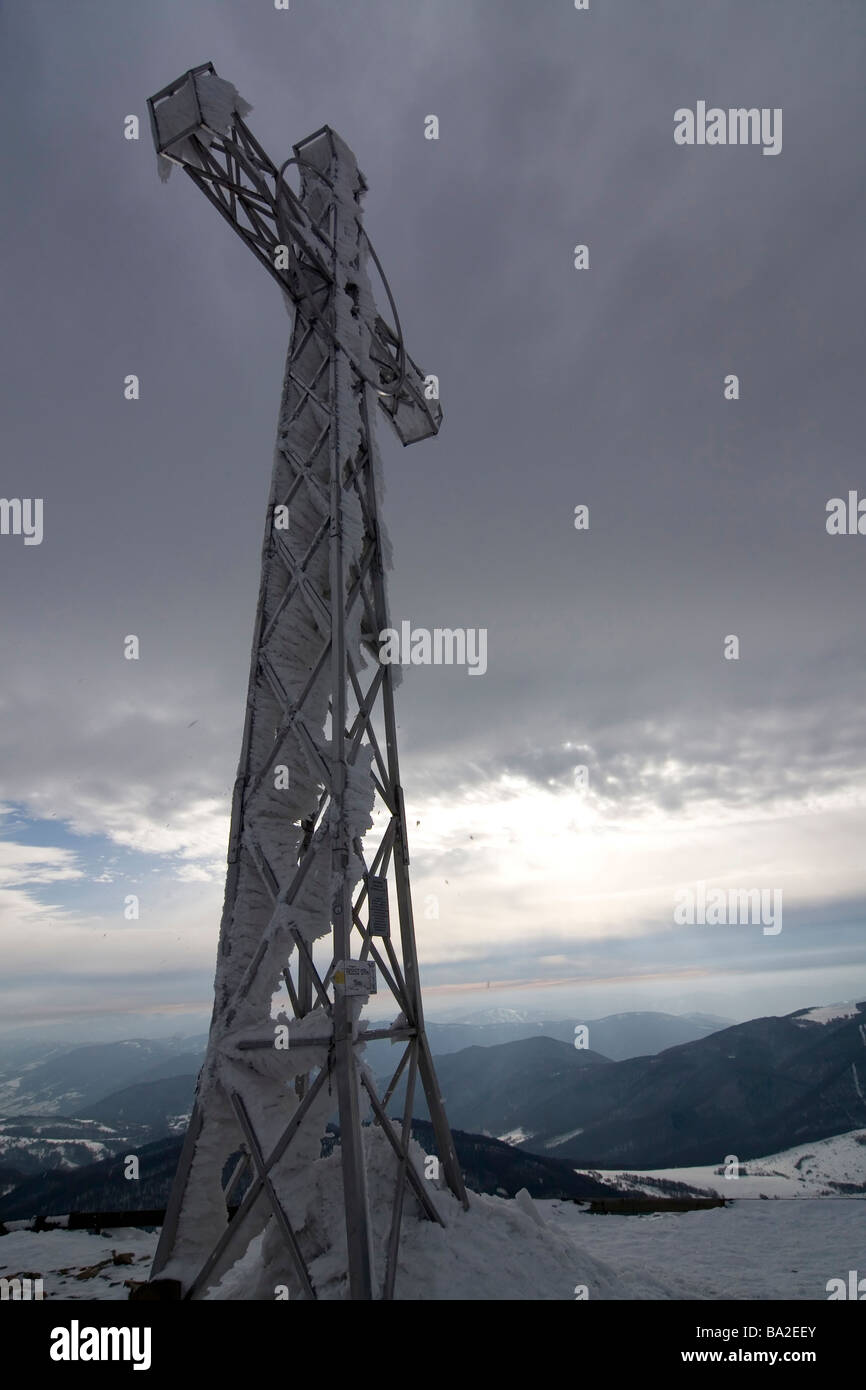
pixel 603 386
pixel 559 387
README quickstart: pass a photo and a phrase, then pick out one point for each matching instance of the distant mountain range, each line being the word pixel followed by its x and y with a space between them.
pixel 615 1036
pixel 749 1090
pixel 752 1089
pixel 56 1080
pixel 41 1144
pixel 140 1089
pixel 493 1090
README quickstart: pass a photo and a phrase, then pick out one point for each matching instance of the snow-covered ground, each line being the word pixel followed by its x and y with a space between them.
pixel 830 1013
pixel 514 1136
pixel 78 1264
pixel 32 1144
pixel 822 1169
pixel 749 1250
pixel 516 1250
pixel 52 1153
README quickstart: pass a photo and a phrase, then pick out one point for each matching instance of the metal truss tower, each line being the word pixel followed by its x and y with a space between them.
pixel 318 826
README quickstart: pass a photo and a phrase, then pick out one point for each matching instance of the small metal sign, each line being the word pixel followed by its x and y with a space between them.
pixel 355 977
pixel 380 916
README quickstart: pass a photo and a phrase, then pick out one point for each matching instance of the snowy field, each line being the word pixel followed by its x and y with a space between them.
pixel 823 1169
pixel 750 1250
pixel 78 1264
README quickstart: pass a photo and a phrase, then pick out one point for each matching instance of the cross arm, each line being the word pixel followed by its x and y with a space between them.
pixel 197 123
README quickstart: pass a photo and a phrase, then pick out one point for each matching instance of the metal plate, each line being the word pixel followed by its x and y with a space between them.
pixel 353 977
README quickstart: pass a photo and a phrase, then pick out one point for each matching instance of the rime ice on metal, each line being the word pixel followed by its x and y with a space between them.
pixel 320 710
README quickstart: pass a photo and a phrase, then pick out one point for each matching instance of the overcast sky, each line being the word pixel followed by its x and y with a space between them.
pixel 602 387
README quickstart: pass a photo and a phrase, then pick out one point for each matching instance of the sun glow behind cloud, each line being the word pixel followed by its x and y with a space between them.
pixel 506 869
pixel 511 860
